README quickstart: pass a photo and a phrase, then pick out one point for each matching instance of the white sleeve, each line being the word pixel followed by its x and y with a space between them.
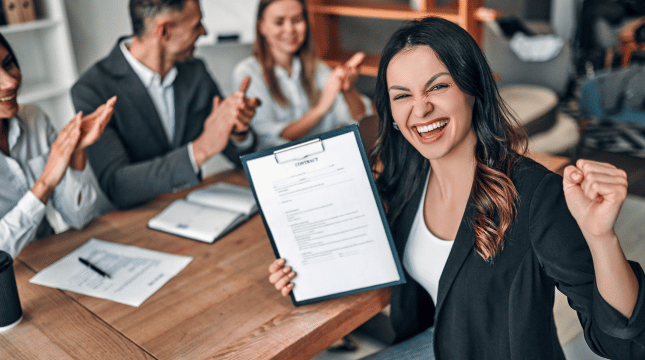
pixel 75 197
pixel 18 227
pixel 265 122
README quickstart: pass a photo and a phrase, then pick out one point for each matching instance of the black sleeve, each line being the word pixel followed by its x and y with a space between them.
pixel 565 256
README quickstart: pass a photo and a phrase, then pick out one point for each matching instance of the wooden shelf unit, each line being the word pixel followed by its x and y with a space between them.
pixel 324 16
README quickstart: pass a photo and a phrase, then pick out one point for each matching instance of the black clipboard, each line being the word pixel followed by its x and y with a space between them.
pixel 300 151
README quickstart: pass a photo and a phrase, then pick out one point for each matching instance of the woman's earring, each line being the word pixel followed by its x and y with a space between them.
pixel 395 125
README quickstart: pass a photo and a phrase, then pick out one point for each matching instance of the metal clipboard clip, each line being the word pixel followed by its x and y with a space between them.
pixel 299 152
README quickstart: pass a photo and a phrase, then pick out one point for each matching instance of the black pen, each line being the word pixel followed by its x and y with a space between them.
pixel 93 267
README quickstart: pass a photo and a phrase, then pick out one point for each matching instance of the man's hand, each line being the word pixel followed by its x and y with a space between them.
pixel 247 110
pixel 231 114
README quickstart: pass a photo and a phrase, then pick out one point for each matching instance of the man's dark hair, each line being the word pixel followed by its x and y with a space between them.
pixel 140 10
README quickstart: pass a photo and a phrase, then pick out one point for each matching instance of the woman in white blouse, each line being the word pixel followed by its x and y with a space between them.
pixel 37 165
pixel 300 95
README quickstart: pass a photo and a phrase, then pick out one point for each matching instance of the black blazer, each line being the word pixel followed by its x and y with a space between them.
pixel 134 160
pixel 504 309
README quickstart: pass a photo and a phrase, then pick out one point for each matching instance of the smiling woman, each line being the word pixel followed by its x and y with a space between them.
pixel 300 95
pixel 485 235
pixel 431 111
pixel 34 163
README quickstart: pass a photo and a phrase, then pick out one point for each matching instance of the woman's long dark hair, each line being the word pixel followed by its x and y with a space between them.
pixel 402 168
pixel 307 54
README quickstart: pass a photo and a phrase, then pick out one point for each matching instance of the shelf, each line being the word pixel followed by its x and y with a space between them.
pixel 29 26
pixel 37 92
pixel 325 19
pixel 381 10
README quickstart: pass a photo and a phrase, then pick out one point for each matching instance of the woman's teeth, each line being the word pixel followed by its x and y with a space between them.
pixel 7 98
pixel 433 126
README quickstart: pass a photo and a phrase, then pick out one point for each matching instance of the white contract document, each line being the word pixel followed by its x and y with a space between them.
pixel 134 273
pixel 320 208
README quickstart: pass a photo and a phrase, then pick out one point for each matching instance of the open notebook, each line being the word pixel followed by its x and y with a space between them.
pixel 208 213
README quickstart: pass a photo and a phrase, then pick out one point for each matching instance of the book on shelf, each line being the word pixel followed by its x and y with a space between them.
pixel 208 213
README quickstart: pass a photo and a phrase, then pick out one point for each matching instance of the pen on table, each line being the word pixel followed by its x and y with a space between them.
pixel 94 267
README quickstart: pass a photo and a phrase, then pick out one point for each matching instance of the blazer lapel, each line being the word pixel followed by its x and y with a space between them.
pixel 137 94
pixel 463 245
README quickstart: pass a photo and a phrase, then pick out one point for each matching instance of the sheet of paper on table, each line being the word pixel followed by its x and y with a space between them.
pixel 135 273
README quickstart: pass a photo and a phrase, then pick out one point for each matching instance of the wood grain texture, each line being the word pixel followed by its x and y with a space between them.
pixel 221 306
pixel 54 326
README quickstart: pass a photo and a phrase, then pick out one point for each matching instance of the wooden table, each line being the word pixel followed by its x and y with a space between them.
pixel 221 306
pixel 54 326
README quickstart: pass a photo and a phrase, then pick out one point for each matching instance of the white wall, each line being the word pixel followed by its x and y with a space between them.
pixel 95 25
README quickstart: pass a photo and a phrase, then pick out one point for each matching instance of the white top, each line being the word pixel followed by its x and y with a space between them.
pixel 271 118
pixel 425 255
pixel 30 138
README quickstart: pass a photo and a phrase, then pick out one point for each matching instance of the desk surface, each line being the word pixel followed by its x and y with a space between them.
pixel 54 326
pixel 220 306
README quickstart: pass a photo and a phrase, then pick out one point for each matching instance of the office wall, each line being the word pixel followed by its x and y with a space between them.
pixel 95 26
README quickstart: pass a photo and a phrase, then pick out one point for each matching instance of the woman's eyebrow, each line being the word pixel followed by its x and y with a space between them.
pixel 432 79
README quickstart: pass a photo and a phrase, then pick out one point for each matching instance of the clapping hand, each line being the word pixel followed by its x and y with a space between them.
pixel 93 124
pixel 69 147
pixel 350 69
pixel 59 157
pixel 342 79
pixel 229 116
pixel 243 108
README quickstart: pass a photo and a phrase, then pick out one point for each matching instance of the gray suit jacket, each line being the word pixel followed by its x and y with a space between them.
pixel 133 160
